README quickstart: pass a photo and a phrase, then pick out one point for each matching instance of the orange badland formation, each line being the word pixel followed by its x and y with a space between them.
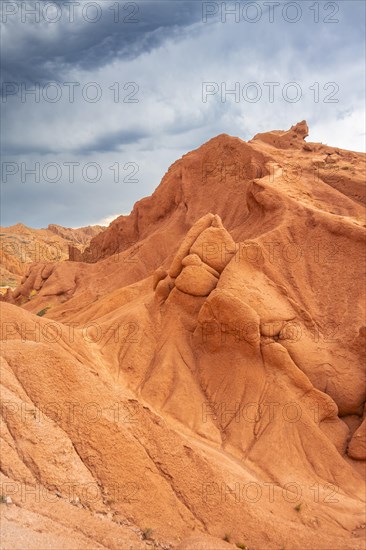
pixel 195 378
pixel 21 245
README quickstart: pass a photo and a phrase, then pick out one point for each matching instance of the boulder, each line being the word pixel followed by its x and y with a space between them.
pixel 196 280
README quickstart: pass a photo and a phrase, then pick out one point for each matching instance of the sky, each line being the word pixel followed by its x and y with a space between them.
pixel 99 98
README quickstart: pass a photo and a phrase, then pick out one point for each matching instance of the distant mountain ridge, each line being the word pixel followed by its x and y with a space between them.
pixel 21 245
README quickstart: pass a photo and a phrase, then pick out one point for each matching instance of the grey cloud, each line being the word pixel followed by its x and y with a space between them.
pixel 37 52
pixel 111 141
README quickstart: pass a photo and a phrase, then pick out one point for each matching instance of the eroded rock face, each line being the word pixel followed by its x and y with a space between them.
pixel 221 352
pixel 215 246
pixel 196 280
pixel 164 287
pixel 158 276
pixel 188 241
pixel 20 246
pixel 292 138
pixel 201 257
pixel 225 320
pixel 242 318
pixel 46 277
pixel 357 445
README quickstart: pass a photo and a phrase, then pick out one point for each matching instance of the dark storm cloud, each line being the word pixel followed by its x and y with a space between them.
pixel 41 51
pixel 23 149
pixel 111 141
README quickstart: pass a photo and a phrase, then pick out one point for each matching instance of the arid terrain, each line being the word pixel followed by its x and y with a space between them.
pixel 21 246
pixel 193 378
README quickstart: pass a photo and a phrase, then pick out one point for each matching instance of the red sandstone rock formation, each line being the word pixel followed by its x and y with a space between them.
pixel 212 346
